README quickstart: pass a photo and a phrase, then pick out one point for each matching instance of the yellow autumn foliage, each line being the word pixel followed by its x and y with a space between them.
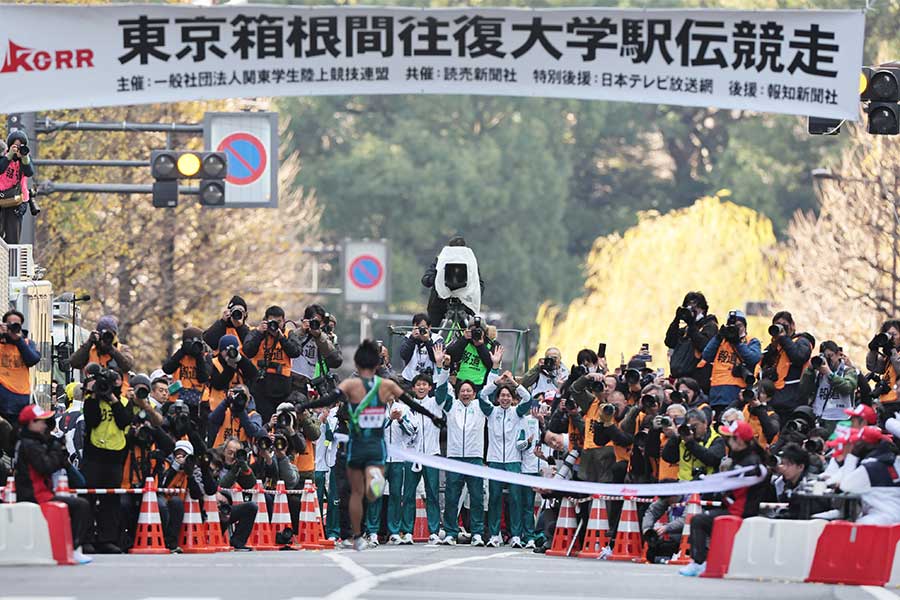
pixel 636 280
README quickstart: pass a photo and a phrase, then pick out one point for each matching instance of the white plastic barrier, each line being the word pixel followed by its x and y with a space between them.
pixel 774 549
pixel 24 535
pixel 895 569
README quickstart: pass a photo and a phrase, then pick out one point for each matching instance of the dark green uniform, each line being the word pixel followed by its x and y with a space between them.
pixel 366 447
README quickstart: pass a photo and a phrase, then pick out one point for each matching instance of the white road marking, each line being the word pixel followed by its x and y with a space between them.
pixel 37 597
pixel 180 598
pixel 354 590
pixel 879 592
pixel 356 571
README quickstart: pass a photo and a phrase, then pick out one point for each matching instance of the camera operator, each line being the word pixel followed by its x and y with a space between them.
pixel 107 417
pixel 549 374
pixel 319 353
pixel 733 358
pixel 17 355
pixel 883 359
pixel 233 322
pixel 457 279
pixel 695 446
pixel 688 342
pixel 236 417
pixel 829 384
pixel 755 410
pixel 271 350
pixel 417 349
pixel 301 428
pixel 188 365
pixel 15 169
pixel 646 447
pixel 673 417
pixel 742 502
pixel 233 512
pixel 473 352
pixel 273 463
pixel 588 368
pixel 783 363
pixel 103 348
pixel 688 393
pixel 38 457
pixel 636 376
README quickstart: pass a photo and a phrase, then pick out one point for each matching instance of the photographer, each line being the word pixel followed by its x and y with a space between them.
pixel 688 393
pixel 107 417
pixel 663 539
pixel 233 322
pixel 271 351
pixel 103 348
pixel 754 407
pixel 548 374
pixel 688 342
pixel 183 472
pixel 453 274
pixel 318 352
pixel 674 417
pixel 227 369
pixel 17 355
pixel 829 384
pixel 589 367
pixel 733 358
pixel 473 352
pixel 188 366
pixel 883 359
pixel 695 446
pixel 417 349
pixel 793 475
pixel 15 168
pixel 783 363
pixel 236 417
pixel 742 502
pixel 272 464
pixel 301 428
pixel 233 512
pixel 38 457
pixel 636 376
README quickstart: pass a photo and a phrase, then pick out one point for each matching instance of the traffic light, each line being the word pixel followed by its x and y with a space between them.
pixel 880 89
pixel 168 166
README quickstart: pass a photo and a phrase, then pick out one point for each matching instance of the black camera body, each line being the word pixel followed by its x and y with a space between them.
pixel 686 430
pixel 816 362
pixel 265 443
pixel 273 327
pixel 684 314
pixel 776 330
pixel 231 353
pixel 314 325
pixel 881 386
pixel 14 328
pixel 104 380
pixel 741 371
pixel 881 343
pixel 238 400
pixel 665 421
pixel 281 442
pixel 730 333
pixel 237 313
pixel 193 347
pixel 107 337
pixel 285 420
pixel 180 418
pixel 325 383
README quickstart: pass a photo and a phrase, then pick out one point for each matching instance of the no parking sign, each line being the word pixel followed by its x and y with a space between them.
pixel 250 140
pixel 366 272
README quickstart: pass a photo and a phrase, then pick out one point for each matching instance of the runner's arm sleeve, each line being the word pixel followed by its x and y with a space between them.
pixel 332 397
pixel 414 406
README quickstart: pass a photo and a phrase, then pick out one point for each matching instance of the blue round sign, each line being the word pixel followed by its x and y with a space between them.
pixel 246 158
pixel 366 271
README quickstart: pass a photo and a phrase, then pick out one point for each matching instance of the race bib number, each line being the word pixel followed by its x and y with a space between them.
pixel 372 418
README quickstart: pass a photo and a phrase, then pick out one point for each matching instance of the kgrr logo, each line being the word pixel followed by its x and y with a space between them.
pixel 19 58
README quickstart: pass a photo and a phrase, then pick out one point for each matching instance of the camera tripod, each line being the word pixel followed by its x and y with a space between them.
pixel 455 320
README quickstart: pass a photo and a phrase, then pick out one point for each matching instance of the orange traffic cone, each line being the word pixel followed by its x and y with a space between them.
pixel 281 514
pixel 262 537
pixel 9 493
pixel 597 528
pixel 310 528
pixel 215 539
pixel 193 534
pixel 320 527
pixel 148 538
pixel 629 546
pixel 62 486
pixel 420 526
pixel 692 508
pixel 564 534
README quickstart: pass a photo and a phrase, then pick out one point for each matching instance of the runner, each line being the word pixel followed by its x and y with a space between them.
pixel 364 400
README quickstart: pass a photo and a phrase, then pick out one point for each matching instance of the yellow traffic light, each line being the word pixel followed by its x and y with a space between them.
pixel 863 82
pixel 188 164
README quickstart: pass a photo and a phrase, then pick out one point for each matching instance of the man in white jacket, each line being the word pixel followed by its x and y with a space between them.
pixel 871 470
pixel 504 422
pixel 528 442
pixel 465 443
pixel 427 442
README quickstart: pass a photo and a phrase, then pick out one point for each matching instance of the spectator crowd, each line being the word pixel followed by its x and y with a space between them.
pixel 260 399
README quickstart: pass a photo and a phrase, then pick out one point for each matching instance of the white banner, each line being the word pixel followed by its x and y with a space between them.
pixel 718 482
pixel 797 62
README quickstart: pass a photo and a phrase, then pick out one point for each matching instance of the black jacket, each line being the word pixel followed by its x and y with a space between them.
pixel 38 457
pixel 222 381
pixel 218 329
pixel 690 341
pixel 172 364
pixel 254 340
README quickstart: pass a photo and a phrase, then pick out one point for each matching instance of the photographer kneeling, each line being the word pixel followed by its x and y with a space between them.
pixel 696 447
pixel 232 511
pixel 187 473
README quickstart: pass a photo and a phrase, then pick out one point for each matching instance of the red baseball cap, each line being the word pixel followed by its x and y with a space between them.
pixel 864 411
pixel 33 412
pixel 739 429
pixel 872 435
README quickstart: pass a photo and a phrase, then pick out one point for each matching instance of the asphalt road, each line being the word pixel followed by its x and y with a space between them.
pixel 396 572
